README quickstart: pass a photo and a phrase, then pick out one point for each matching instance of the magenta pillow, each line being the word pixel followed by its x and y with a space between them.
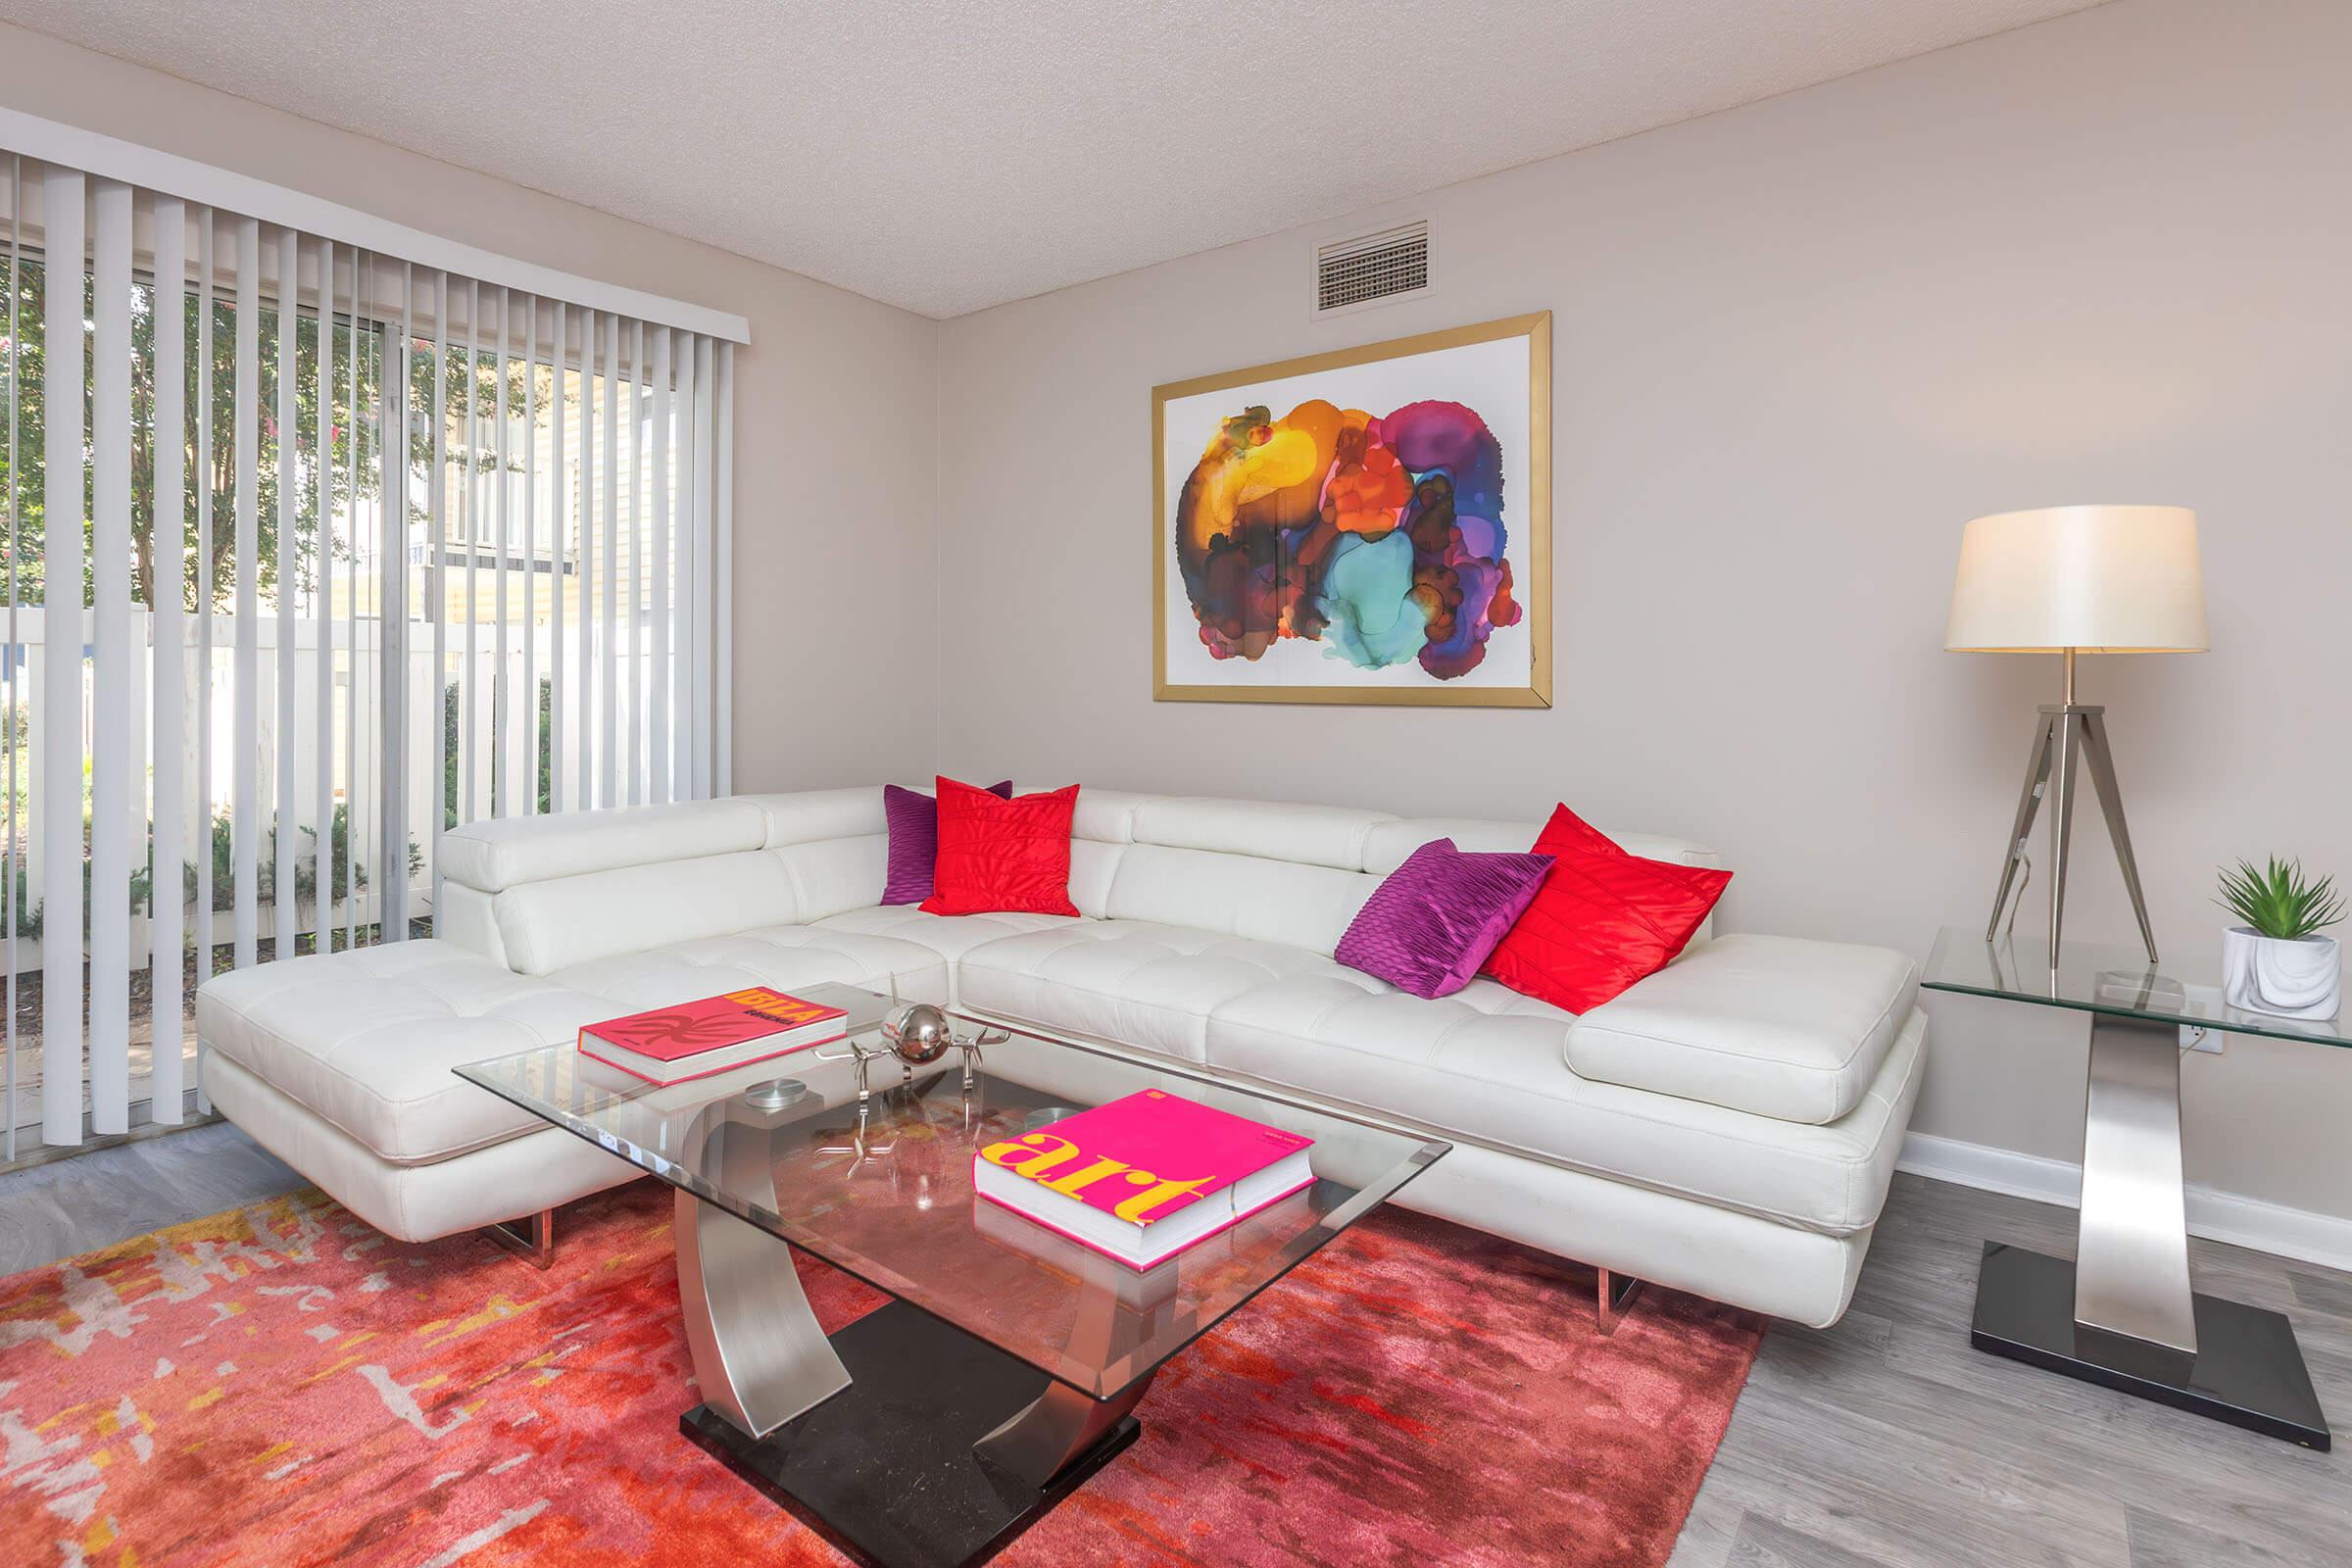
pixel 913 820
pixel 1431 922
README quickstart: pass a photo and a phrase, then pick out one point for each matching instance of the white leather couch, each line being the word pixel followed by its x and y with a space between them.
pixel 1728 1126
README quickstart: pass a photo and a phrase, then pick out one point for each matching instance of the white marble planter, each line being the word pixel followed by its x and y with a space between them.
pixel 2298 979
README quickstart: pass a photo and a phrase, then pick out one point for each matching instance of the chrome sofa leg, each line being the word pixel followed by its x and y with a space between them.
pixel 535 1246
pixel 1616 1293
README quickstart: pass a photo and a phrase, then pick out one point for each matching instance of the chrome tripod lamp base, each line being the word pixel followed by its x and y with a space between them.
pixel 2069 741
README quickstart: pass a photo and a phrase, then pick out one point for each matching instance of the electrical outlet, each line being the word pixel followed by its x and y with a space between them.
pixel 2200 1037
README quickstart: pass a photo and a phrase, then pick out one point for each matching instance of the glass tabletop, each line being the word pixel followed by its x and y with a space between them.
pixel 888 1196
pixel 2091 977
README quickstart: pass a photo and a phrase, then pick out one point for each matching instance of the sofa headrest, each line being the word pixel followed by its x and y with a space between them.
pixel 1270 830
pixel 807 816
pixel 1106 817
pixel 1392 842
pixel 500 852
pixel 496 854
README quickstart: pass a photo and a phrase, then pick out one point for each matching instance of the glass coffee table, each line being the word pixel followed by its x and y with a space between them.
pixel 2122 1314
pixel 1004 1370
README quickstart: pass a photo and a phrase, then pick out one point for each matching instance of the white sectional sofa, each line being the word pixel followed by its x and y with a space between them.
pixel 1728 1126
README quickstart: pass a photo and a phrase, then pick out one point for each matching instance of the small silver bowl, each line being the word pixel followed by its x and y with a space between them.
pixel 775 1094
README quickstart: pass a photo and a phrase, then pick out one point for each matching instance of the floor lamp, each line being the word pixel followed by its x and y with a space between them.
pixel 2071 580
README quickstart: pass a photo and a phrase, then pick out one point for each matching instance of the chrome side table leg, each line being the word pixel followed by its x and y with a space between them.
pixel 2122 1314
pixel 2131 1260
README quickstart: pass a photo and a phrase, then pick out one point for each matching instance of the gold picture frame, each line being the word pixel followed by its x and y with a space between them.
pixel 1536 521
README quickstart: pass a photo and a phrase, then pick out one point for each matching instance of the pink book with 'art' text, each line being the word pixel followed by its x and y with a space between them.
pixel 1143 1177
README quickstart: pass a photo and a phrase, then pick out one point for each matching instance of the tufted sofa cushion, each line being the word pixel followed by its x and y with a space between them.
pixel 1773 1025
pixel 367 1040
pixel 951 936
pixel 1490 1064
pixel 1141 984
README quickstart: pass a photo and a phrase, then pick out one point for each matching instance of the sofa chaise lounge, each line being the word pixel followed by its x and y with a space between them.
pixel 1728 1126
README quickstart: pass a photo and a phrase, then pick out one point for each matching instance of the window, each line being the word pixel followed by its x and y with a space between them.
pixel 359 550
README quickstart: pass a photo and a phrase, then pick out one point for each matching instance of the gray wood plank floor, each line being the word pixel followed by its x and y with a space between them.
pixel 69 1206
pixel 1882 1442
pixel 1887 1443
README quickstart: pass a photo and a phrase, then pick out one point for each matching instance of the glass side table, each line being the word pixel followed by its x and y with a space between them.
pixel 2122 1314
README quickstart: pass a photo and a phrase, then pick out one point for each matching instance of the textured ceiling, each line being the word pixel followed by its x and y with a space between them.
pixel 948 155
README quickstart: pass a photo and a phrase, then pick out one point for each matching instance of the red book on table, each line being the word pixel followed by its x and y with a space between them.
pixel 697 1039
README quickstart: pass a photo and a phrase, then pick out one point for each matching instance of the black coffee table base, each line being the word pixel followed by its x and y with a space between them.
pixel 2247 1370
pixel 883 1469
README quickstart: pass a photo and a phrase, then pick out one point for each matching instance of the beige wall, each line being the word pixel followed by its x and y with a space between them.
pixel 1797 344
pixel 835 465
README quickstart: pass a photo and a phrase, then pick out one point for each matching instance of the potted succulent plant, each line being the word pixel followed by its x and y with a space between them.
pixel 2275 960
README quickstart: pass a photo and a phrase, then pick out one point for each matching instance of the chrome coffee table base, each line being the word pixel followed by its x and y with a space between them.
pixel 901 1440
pixel 2247 1369
pixel 889 1470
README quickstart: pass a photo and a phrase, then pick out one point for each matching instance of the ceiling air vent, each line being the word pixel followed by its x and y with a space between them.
pixel 1368 267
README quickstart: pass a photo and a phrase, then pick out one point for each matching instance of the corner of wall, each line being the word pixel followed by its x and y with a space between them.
pixel 939 554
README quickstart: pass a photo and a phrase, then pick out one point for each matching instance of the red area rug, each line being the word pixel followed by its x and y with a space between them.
pixel 282 1385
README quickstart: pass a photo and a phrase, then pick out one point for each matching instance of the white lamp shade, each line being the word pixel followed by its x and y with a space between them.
pixel 2097 579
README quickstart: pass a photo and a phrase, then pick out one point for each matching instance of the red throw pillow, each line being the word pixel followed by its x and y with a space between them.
pixel 997 855
pixel 1603 919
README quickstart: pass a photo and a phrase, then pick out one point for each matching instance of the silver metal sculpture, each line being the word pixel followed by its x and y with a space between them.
pixel 864 1056
pixel 918 1034
pixel 971 1046
pixel 862 1148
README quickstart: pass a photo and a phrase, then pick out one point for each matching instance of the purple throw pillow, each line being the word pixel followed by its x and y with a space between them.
pixel 914 818
pixel 1431 922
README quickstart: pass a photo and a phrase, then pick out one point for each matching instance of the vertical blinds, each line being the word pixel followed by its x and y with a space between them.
pixel 314 551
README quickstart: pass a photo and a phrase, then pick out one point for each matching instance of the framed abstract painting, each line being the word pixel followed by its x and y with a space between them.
pixel 1371 525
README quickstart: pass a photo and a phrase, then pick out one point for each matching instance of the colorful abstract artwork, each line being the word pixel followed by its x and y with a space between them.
pixel 1367 526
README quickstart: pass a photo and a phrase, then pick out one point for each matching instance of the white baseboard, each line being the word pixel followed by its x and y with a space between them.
pixel 2231 1217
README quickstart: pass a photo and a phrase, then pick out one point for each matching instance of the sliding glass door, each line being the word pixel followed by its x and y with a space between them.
pixel 311 555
